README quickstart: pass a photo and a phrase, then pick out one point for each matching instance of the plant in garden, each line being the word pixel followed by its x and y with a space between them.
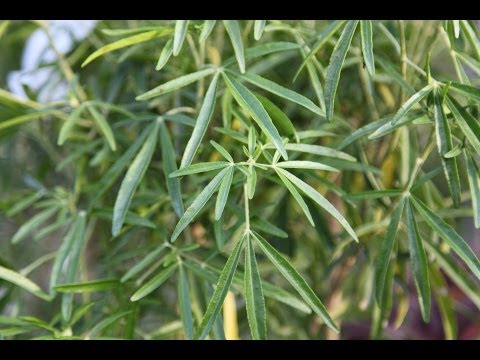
pixel 252 179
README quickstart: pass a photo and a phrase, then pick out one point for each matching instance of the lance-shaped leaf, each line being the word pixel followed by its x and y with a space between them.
pixel 132 40
pixel 223 285
pixel 181 27
pixel 444 145
pixel 223 193
pixel 141 265
pixel 335 66
pixel 89 286
pixel 474 181
pixel 320 200
pixel 202 123
pixel 184 302
pixel 206 29
pixel 283 92
pixel 383 257
pixel 169 167
pixel 258 29
pixel 198 204
pixel 176 84
pixel 297 164
pixel 470 92
pixel 23 282
pixel 132 179
pixel 33 224
pixel 414 99
pixel 154 283
pixel 367 45
pixel 450 236
pixel 296 280
pixel 199 168
pixel 102 124
pixel 419 263
pixel 253 106
pixel 233 30
pixel 255 302
pixel 165 55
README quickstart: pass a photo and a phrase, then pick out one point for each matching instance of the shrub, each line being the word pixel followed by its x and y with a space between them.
pixel 280 178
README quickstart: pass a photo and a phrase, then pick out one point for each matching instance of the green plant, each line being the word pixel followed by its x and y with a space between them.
pixel 308 167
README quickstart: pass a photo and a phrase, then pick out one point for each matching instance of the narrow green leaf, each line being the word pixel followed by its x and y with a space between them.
pixel 89 286
pixel 169 167
pixel 456 28
pixel 221 290
pixel 282 92
pixel 471 36
pixel 202 123
pixel 165 55
pixel 253 106
pixel 176 84
pixel 206 29
pixel 255 303
pixel 419 263
pixel 279 118
pixel 325 35
pixel 335 66
pixel 470 92
pixel 305 165
pixel 24 202
pixel 389 127
pixel 154 283
pixel 33 224
pixel 467 123
pixel 444 145
pixel 318 150
pixel 450 236
pixel 181 27
pixel 296 280
pixel 223 193
pixel 363 131
pixel 199 168
pixel 222 151
pixel 367 45
pixel 23 282
pixel 198 203
pixel 267 227
pixel 233 30
pixel 103 126
pixel 77 243
pixel 454 152
pixel 69 124
pixel 374 194
pixel 114 172
pixel 456 273
pixel 184 302
pixel 414 99
pixel 383 258
pixel 25 118
pixel 264 49
pixel 320 200
pixel 106 322
pixel 444 302
pixel 141 265
pixel 132 179
pixel 258 29
pixel 131 40
pixel 474 182
pixel 297 196
pixel 251 182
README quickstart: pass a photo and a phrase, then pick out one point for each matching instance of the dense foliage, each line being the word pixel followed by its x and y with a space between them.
pixel 241 179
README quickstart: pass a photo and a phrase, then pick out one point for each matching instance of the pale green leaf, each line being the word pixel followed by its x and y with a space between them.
pixel 199 168
pixel 296 280
pixel 132 179
pixel 233 30
pixel 154 283
pixel 102 124
pixel 297 164
pixel 253 106
pixel 176 84
pixel 206 29
pixel 320 200
pixel 184 302
pixel 254 300
pixel 198 203
pixel 223 285
pixel 23 282
pixel 33 224
pixel 129 41
pixel 181 27
pixel 201 124
pixel 337 59
pixel 367 45
pixel 89 286
pixel 165 55
pixel 258 29
pixel 223 193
